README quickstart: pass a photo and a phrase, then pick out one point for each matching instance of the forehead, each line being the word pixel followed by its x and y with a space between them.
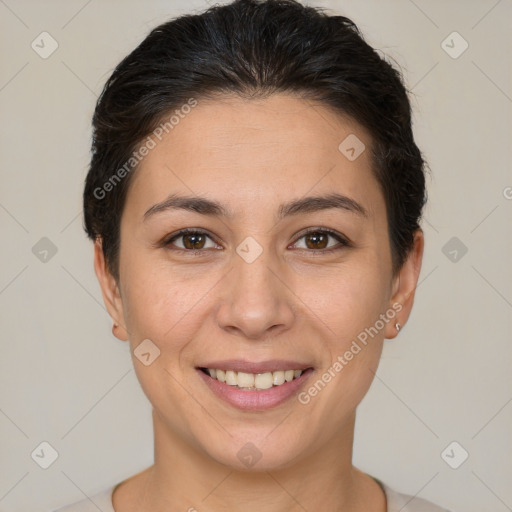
pixel 256 149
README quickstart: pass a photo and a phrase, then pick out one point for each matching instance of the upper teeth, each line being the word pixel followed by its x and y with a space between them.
pixel 254 380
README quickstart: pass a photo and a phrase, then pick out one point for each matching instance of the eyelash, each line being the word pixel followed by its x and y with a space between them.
pixel 189 231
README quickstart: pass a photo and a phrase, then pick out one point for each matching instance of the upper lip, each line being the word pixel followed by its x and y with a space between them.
pixel 239 365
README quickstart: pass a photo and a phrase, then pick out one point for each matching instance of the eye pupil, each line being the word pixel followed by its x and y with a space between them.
pixel 196 244
pixel 319 240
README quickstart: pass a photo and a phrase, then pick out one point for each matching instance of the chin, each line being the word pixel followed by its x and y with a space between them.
pixel 256 452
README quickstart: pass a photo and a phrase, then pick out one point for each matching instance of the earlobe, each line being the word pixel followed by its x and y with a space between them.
pixel 405 285
pixel 110 291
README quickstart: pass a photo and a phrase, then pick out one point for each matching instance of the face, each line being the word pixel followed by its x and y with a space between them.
pixel 268 279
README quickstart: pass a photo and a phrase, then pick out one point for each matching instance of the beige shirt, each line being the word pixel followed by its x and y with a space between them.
pixel 396 502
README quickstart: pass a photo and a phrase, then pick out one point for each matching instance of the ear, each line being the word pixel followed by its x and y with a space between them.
pixel 404 285
pixel 110 291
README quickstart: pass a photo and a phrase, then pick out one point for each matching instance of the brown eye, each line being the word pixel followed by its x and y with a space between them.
pixel 190 241
pixel 194 241
pixel 318 240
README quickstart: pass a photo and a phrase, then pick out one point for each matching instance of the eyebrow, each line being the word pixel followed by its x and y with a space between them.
pixel 308 204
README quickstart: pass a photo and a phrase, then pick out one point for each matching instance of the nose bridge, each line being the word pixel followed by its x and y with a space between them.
pixel 253 271
pixel 256 300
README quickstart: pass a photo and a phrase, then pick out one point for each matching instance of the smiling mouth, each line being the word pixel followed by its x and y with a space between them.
pixel 254 381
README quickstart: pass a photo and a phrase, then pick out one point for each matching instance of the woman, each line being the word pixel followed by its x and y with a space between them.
pixel 254 196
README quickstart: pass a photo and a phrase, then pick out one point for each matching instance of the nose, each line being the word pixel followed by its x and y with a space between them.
pixel 256 300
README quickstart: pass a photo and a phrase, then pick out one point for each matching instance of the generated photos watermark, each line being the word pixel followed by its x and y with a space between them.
pixel 355 348
pixel 138 155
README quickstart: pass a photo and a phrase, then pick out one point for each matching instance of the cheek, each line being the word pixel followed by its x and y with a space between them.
pixel 346 299
pixel 350 307
pixel 349 304
pixel 167 308
pixel 163 304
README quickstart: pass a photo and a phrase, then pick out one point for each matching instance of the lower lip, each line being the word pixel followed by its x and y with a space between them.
pixel 255 400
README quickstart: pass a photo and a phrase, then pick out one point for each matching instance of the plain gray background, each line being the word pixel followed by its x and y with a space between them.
pixel 67 381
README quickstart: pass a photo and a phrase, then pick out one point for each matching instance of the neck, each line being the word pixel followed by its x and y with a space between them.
pixel 185 478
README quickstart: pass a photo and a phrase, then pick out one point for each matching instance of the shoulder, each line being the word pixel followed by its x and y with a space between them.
pixel 101 501
pixel 398 502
